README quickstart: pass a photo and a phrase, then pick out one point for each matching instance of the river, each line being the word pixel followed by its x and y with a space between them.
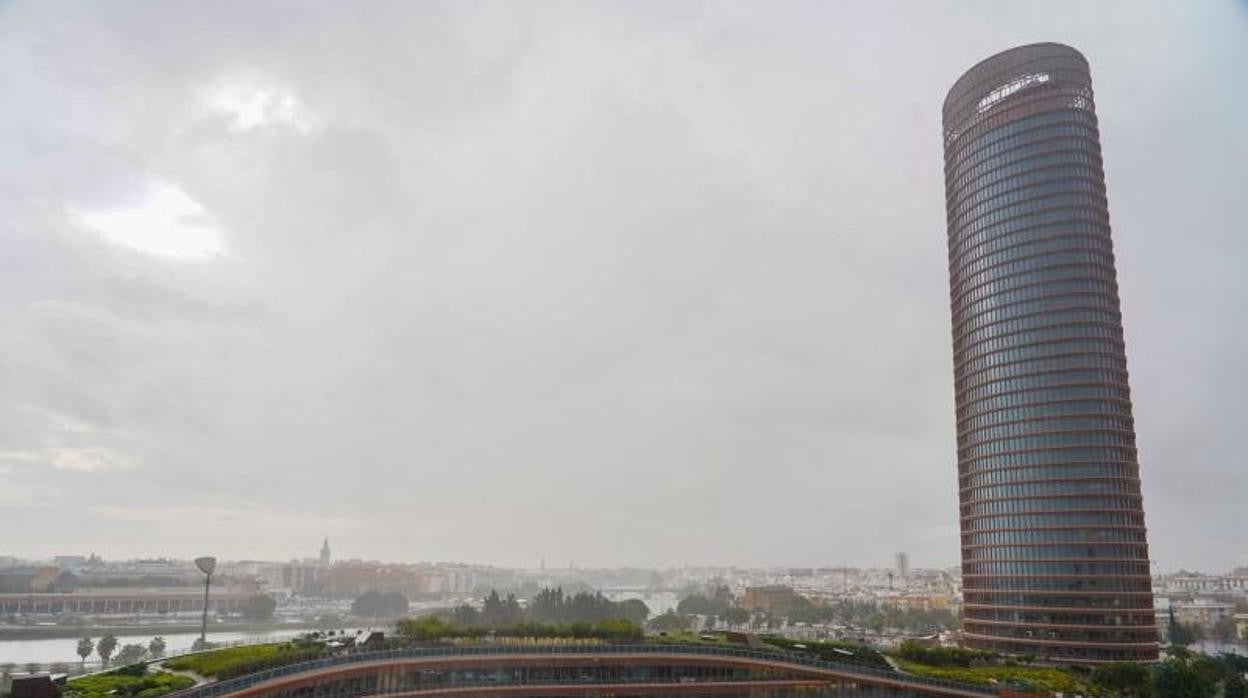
pixel 52 650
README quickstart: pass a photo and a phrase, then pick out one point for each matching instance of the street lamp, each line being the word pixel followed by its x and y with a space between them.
pixel 207 565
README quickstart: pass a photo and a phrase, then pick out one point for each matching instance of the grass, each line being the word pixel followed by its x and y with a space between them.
pixel 235 661
pixel 832 651
pixel 687 637
pixel 117 683
pixel 1031 677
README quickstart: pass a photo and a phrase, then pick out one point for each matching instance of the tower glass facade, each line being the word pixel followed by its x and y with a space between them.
pixel 1054 552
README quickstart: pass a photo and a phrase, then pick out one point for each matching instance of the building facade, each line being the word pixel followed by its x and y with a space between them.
pixel 903 565
pixel 1205 614
pixel 127 602
pixel 768 598
pixel 1054 553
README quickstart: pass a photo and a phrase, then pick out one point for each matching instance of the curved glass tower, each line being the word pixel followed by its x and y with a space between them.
pixel 1054 554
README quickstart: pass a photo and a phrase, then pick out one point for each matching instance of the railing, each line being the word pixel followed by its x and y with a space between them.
pixel 845 670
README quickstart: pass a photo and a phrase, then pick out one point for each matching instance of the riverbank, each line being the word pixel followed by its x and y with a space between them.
pixel 53 632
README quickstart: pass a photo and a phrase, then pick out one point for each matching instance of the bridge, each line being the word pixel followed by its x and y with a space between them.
pixel 575 670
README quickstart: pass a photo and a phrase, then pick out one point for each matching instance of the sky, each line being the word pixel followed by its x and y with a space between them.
pixel 619 283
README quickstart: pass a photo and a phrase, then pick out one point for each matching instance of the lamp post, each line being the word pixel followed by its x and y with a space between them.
pixel 207 565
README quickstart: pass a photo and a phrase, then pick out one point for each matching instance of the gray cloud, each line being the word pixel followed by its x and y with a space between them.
pixel 641 283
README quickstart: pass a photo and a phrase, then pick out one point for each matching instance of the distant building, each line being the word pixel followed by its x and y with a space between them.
pixel 448 580
pixel 304 578
pixel 69 561
pixel 903 565
pixel 347 580
pixel 127 602
pixel 767 598
pixel 41 580
pixel 1232 583
pixel 1204 613
pixel 920 602
pixel 325 553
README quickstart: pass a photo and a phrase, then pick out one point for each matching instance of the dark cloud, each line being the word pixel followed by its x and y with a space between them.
pixel 641 284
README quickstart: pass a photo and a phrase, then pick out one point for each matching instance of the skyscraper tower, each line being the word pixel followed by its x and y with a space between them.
pixel 324 560
pixel 1054 553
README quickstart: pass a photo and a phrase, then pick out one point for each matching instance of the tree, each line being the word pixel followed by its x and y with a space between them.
pixel 735 616
pixel 85 648
pixel 105 647
pixel 1185 634
pixel 427 628
pixel 669 622
pixel 259 607
pixel 493 610
pixel 512 613
pixel 1236 687
pixel 1124 679
pixel 157 647
pixel 131 654
pixel 373 604
pixel 465 615
pixel 697 604
pixel 1225 629
pixel 618 629
pixel 633 610
pixel 1179 679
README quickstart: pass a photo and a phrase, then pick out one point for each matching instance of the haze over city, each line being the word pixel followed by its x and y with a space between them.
pixel 614 284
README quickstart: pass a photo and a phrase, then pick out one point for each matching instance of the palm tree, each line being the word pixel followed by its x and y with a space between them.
pixel 85 648
pixel 105 647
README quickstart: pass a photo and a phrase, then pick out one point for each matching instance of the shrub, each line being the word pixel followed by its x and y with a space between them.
pixel 1047 679
pixel 1124 679
pixel 236 661
pixel 845 652
pixel 126 682
pixel 431 628
pixel 944 656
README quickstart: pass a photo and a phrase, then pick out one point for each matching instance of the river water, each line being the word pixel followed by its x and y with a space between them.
pixel 64 649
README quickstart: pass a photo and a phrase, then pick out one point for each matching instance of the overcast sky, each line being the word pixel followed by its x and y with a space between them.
pixel 634 283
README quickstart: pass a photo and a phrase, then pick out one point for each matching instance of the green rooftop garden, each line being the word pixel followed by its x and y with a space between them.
pixel 134 680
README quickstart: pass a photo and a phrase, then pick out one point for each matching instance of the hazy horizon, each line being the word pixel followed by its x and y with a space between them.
pixel 640 284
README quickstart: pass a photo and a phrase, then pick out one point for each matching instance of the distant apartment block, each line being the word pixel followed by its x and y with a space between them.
pixel 126 602
pixel 1230 584
pixel 903 565
pixel 766 598
pixel 1203 613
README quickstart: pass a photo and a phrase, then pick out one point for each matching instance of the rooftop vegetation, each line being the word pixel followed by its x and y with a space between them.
pixel 431 628
pixel 229 662
pixel 831 651
pixel 134 680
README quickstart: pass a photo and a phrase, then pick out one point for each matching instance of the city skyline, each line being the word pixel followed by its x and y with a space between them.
pixel 627 286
